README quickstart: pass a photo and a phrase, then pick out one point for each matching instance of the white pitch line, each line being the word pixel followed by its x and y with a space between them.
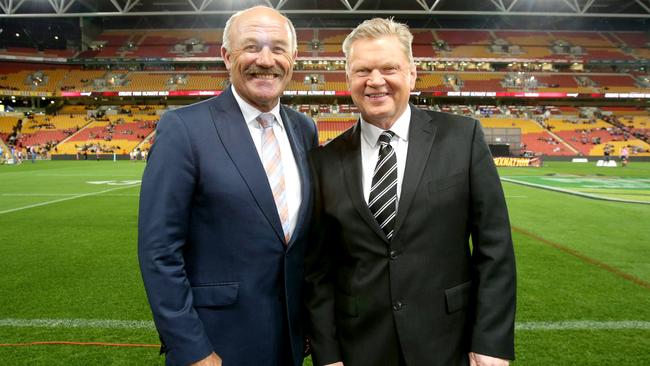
pixel 77 323
pixel 575 193
pixel 65 199
pixel 63 194
pixel 145 324
pixel 584 325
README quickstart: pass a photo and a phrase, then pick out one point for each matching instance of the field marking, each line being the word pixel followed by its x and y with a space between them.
pixel 149 325
pixel 63 194
pixel 66 343
pixel 66 199
pixel 575 193
pixel 77 323
pixel 583 325
pixel 584 258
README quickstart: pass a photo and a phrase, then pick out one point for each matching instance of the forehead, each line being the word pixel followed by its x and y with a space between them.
pixel 261 27
pixel 377 51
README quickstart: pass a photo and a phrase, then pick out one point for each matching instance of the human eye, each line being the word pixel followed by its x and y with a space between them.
pixel 279 49
pixel 251 47
pixel 362 72
pixel 389 70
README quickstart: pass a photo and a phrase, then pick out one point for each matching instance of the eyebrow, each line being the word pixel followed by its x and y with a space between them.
pixel 256 40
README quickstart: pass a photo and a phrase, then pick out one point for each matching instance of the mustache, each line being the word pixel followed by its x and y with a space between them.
pixel 254 69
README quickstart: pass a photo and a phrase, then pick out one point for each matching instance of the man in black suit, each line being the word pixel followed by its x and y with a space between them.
pixel 391 276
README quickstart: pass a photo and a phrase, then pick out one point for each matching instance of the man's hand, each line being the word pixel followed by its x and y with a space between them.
pixel 211 360
pixel 335 364
pixel 481 360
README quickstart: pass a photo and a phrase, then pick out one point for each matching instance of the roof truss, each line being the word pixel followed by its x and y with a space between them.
pixel 557 8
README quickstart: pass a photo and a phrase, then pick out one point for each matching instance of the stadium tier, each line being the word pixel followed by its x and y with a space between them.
pixel 118 134
pixel 584 39
pixel 60 80
pixel 330 127
pixel 326 42
pixel 526 38
pixel 320 69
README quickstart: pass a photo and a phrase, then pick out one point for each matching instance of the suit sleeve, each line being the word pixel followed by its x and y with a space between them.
pixel 319 287
pixel 165 204
pixel 492 256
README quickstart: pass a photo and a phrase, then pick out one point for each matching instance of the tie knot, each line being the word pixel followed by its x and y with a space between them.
pixel 385 137
pixel 266 120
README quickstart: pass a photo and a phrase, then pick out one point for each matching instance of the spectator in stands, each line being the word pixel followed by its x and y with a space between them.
pixel 225 208
pixel 390 276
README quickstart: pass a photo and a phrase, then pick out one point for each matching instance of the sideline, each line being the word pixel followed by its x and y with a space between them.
pixel 575 193
pixel 63 343
pixel 149 325
pixel 67 199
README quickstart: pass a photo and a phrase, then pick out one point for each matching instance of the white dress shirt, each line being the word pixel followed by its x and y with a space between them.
pixel 370 150
pixel 289 166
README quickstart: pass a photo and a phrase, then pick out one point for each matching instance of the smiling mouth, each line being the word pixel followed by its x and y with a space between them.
pixel 376 95
pixel 264 76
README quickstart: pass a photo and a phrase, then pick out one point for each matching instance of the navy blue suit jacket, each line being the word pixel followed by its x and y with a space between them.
pixel 210 242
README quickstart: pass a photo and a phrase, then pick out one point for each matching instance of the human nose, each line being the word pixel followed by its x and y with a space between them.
pixel 265 57
pixel 375 78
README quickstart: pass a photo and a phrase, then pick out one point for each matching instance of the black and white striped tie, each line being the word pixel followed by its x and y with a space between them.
pixel 383 192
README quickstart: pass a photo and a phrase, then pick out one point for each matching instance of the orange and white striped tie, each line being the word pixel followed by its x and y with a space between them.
pixel 272 161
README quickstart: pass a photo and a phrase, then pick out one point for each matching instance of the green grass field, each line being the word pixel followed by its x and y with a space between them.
pixel 69 270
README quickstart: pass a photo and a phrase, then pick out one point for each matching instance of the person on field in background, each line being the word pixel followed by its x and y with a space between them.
pixel 625 156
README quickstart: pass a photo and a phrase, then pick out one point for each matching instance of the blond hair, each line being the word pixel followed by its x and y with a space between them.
pixel 225 42
pixel 377 28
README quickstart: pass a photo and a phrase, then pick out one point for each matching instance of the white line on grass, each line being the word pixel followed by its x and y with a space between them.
pixel 63 194
pixel 145 324
pixel 575 193
pixel 584 325
pixel 77 323
pixel 65 199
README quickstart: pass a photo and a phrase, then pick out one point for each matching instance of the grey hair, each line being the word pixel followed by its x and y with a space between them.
pixel 225 42
pixel 377 28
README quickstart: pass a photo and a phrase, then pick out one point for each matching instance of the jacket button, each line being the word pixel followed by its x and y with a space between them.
pixel 393 254
pixel 398 305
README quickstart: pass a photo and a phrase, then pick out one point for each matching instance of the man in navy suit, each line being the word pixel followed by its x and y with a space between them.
pixel 224 209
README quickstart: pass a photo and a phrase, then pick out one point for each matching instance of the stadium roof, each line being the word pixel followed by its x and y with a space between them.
pixel 518 8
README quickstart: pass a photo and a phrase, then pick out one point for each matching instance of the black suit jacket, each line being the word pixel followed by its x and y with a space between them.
pixel 427 292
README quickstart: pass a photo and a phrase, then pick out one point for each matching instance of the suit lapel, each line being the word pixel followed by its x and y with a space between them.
pixel 351 160
pixel 421 135
pixel 297 147
pixel 237 141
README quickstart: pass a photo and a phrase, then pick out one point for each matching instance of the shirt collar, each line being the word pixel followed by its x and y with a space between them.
pixel 370 133
pixel 250 113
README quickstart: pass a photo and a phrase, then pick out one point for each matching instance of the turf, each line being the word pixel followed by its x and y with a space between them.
pixel 74 257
